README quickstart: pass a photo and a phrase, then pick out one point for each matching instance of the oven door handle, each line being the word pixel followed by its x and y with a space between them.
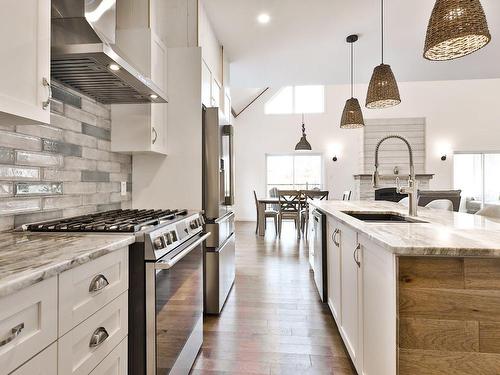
pixel 171 262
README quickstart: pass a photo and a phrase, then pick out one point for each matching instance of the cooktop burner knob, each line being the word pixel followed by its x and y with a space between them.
pixel 158 243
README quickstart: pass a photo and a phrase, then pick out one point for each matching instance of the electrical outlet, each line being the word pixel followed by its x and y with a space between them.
pixel 124 188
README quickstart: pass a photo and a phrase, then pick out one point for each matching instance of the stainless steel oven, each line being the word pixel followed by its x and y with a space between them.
pixel 174 309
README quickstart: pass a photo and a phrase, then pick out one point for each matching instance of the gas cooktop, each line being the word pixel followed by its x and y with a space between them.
pixel 130 221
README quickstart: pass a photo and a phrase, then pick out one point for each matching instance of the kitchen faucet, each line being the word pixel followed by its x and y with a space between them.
pixel 412 189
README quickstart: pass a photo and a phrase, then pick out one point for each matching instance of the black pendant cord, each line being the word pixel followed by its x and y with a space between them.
pixel 352 71
pixel 303 126
pixel 382 27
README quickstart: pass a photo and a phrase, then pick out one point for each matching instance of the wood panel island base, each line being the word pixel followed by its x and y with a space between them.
pixel 414 298
pixel 449 315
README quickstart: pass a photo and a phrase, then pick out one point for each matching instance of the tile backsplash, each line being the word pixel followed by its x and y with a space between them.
pixel 62 169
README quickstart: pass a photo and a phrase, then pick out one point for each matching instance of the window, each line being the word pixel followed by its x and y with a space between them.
pixel 294 172
pixel 297 99
pixel 476 174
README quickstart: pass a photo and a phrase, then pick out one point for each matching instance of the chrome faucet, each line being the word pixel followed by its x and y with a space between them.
pixel 412 189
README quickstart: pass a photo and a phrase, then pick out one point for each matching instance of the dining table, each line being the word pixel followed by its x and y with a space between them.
pixel 261 210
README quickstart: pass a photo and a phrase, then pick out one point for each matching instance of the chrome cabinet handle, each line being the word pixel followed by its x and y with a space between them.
pixel 46 83
pixel 98 283
pixel 166 265
pixel 98 337
pixel 355 255
pixel 14 332
pixel 334 237
pixel 155 135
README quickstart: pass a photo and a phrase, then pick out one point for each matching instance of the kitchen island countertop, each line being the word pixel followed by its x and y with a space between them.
pixel 445 233
pixel 27 258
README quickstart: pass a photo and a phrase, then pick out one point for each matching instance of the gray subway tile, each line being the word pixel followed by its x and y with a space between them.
pixel 77 211
pixel 16 173
pixel 95 108
pixel 66 97
pixel 42 131
pixel 108 207
pixel 61 175
pixel 36 217
pixel 6 156
pixel 98 199
pixel 103 123
pixel 108 187
pixel 108 166
pixel 38 188
pixel 95 154
pixel 69 201
pixel 80 188
pixel 79 139
pixel 56 106
pixel 96 132
pixel 12 206
pixel 74 163
pixel 103 145
pixel 63 148
pixel 95 176
pixel 65 123
pixel 38 159
pixel 120 158
pixel 119 177
pixel 6 189
pixel 80 115
pixel 8 127
pixel 21 141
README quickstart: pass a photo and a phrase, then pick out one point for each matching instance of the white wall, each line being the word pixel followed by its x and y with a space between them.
pixel 463 114
pixel 175 181
pixel 210 46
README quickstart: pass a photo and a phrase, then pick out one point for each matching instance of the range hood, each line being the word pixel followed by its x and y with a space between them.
pixel 83 55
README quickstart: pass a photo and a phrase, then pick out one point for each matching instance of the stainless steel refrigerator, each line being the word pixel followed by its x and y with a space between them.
pixel 218 200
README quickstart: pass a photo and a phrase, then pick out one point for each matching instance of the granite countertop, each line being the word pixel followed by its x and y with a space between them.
pixel 445 233
pixel 27 258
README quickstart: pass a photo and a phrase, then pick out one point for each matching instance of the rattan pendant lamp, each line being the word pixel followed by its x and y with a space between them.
pixel 383 91
pixel 456 28
pixel 303 144
pixel 352 117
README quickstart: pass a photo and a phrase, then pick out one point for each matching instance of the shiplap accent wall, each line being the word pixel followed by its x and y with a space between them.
pixel 394 152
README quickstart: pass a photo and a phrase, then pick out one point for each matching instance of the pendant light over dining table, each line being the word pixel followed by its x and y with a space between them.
pixel 456 28
pixel 383 91
pixel 303 144
pixel 352 117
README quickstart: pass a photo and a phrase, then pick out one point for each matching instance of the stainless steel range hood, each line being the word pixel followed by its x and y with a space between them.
pixel 83 55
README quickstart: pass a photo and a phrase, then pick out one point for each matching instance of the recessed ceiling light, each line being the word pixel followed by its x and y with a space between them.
pixel 263 18
pixel 114 67
pixel 153 96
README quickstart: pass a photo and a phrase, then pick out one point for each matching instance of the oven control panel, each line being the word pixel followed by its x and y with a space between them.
pixel 166 238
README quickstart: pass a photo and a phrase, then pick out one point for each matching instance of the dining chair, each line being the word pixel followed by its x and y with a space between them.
pixel 307 196
pixel 441 204
pixel 492 211
pixel 267 213
pixel 290 202
pixel 346 196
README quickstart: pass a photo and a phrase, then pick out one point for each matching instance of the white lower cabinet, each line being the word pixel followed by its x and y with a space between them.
pixel 28 323
pixel 350 280
pixel 378 309
pixel 115 363
pixel 333 270
pixel 85 346
pixel 362 298
pixel 44 363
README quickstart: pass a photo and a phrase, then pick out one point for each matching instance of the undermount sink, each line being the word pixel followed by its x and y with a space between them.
pixel 382 218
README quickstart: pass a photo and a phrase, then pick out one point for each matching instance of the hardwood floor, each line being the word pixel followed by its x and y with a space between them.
pixel 273 321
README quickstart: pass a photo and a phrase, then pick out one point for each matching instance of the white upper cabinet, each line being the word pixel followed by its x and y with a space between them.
pixel 142 128
pixel 25 56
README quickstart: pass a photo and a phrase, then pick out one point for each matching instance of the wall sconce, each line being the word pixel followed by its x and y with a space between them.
pixel 443 157
pixel 335 158
pixel 334 150
pixel 443 149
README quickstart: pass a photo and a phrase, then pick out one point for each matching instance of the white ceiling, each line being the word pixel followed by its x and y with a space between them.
pixel 305 41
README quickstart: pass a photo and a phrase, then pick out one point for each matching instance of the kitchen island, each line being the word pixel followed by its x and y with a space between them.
pixel 414 297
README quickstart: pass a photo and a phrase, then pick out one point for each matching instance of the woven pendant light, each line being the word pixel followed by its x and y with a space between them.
pixel 456 28
pixel 303 144
pixel 352 116
pixel 383 91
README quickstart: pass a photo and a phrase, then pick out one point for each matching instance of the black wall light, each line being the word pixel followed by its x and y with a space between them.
pixel 335 158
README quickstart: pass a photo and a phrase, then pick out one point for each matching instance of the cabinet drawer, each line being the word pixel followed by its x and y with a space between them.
pixel 28 323
pixel 80 350
pixel 45 363
pixel 85 289
pixel 115 363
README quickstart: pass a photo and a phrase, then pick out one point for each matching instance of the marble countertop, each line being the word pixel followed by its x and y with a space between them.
pixel 27 258
pixel 445 233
